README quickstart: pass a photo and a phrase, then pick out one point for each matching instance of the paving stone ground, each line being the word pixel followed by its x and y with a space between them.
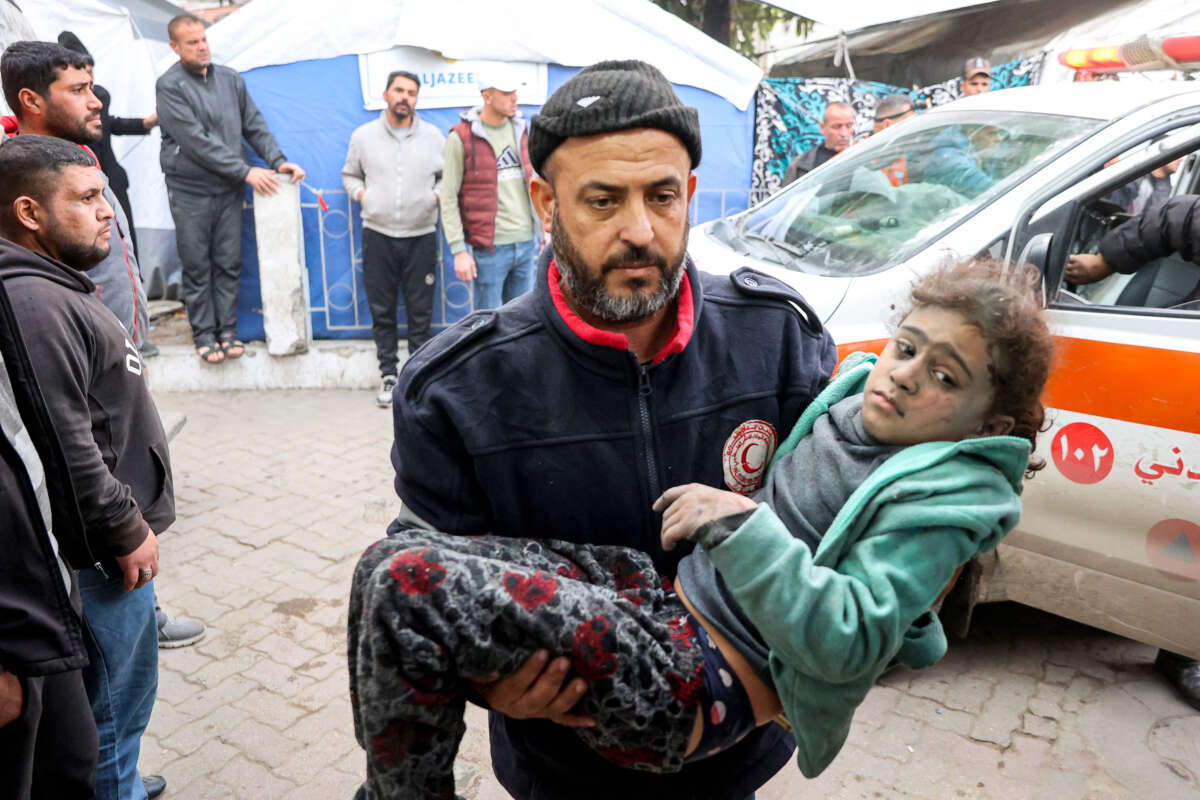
pixel 278 492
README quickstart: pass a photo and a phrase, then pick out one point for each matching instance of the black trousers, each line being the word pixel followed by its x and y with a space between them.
pixel 391 264
pixel 50 751
pixel 208 233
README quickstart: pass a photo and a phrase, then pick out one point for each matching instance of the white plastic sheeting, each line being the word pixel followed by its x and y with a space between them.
pixel 566 32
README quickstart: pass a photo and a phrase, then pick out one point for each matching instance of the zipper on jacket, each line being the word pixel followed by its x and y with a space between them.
pixel 644 392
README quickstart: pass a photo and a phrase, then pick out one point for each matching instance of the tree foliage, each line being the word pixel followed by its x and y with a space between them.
pixel 740 24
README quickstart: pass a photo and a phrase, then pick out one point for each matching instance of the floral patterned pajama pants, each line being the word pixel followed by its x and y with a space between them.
pixel 428 610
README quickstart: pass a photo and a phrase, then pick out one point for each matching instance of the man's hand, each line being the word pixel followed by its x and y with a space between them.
pixel 150 121
pixel 536 691
pixel 11 698
pixel 144 558
pixel 464 266
pixel 1087 268
pixel 693 504
pixel 262 180
pixel 295 170
pixel 359 196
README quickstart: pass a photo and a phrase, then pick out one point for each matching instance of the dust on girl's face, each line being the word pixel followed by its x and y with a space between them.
pixel 932 383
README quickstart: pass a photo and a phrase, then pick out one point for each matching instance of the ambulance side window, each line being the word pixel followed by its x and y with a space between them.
pixel 1166 282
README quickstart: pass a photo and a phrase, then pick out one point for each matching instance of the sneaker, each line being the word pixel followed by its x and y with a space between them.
pixel 178 631
pixel 155 785
pixel 1182 672
pixel 149 349
pixel 384 398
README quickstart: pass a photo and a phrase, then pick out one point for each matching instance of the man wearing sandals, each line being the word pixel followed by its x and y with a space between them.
pixel 204 111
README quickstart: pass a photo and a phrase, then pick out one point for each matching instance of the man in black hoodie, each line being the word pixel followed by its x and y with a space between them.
pixel 55 223
pixel 47 734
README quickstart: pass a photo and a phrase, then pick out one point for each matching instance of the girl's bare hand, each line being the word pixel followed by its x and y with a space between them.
pixel 685 508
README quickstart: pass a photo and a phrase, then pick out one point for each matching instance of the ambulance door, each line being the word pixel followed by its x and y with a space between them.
pixel 1110 534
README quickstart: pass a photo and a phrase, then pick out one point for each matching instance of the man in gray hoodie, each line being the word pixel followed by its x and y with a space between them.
pixel 394 171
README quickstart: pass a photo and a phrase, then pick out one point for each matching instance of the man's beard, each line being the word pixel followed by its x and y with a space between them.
pixel 76 131
pixel 75 254
pixel 590 292
pixel 401 112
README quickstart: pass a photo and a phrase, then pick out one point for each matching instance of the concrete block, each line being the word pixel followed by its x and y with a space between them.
pixel 282 274
pixel 332 364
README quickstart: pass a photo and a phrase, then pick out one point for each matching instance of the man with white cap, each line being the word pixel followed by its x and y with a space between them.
pixel 487 215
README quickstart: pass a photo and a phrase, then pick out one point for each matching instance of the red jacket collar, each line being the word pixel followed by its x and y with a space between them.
pixel 684 320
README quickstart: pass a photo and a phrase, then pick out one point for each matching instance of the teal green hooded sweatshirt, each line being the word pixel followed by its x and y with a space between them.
pixel 834 619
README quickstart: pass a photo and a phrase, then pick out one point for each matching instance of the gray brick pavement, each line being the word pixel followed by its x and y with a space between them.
pixel 278 492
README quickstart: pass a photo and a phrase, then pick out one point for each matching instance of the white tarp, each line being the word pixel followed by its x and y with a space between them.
pixel 13 28
pixel 445 83
pixel 852 16
pixel 1153 18
pixel 566 32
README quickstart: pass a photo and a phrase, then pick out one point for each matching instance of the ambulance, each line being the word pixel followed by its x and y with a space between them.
pixel 1110 534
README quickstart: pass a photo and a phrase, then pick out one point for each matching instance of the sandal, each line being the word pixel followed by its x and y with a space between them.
pixel 232 346
pixel 210 353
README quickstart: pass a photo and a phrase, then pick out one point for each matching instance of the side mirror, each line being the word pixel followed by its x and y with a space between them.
pixel 1037 253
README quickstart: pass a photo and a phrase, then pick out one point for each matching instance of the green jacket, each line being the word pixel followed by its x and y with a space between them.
pixel 835 618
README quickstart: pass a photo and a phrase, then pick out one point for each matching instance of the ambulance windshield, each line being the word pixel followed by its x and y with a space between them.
pixel 881 201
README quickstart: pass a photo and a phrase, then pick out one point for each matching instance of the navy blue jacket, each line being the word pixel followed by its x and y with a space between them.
pixel 511 423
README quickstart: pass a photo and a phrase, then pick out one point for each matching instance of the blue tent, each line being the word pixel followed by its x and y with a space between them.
pixel 312 108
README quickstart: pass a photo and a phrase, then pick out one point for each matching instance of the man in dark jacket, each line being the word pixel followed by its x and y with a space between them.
pixel 1162 229
pixel 55 223
pixel 567 411
pixel 205 111
pixel 49 88
pixel 110 126
pixel 47 734
pixel 837 126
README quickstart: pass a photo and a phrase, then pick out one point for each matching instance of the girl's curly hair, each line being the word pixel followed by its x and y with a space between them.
pixel 1005 306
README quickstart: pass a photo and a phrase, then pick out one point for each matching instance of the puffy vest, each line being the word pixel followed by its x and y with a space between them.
pixel 479 195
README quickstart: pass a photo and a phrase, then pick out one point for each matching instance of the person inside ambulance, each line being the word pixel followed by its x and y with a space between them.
pixel 1152 188
pixel 1154 246
pixel 892 109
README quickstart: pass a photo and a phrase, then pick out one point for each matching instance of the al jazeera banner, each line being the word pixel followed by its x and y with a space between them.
pixel 445 83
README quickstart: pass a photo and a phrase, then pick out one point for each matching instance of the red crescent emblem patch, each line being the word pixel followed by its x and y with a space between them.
pixel 747 453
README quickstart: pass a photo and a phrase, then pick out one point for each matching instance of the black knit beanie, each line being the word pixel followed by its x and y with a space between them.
pixel 612 96
pixel 70 41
